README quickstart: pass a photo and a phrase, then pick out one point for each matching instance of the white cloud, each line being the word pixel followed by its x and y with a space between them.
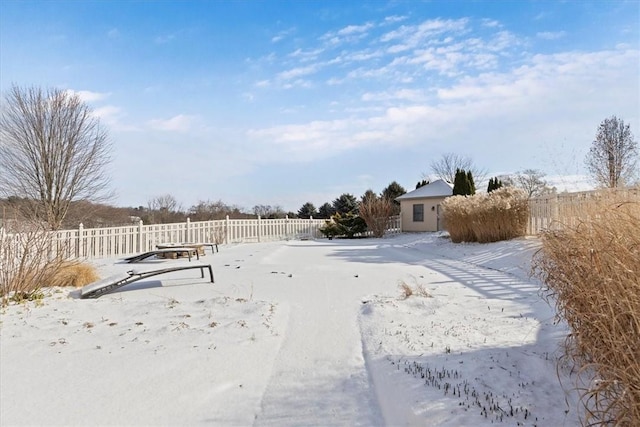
pixel 89 96
pixel 401 94
pixel 551 35
pixel 354 29
pixel 113 33
pixel 179 123
pixel 283 34
pixel 490 23
pixel 394 19
pixel 298 72
pixel 348 34
pixel 565 91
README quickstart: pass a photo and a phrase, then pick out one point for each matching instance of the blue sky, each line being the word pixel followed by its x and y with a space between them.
pixel 284 102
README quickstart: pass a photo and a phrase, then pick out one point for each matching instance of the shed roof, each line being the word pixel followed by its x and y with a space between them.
pixel 439 188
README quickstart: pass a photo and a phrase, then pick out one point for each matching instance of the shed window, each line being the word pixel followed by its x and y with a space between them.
pixel 418 213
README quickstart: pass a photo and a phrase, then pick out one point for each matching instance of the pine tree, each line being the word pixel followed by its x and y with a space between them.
pixel 494 184
pixel 471 184
pixel 459 183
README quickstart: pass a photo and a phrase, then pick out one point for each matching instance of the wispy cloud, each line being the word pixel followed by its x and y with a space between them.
pixel 394 19
pixel 89 96
pixel 165 38
pixel 551 35
pixel 283 34
pixel 179 123
pixel 298 72
pixel 540 89
pixel 348 34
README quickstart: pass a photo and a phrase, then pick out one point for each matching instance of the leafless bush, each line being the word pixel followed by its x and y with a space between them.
pixel 591 271
pixel 218 234
pixel 28 260
pixel 376 213
pixel 487 217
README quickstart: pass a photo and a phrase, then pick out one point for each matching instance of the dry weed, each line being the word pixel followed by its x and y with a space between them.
pixel 591 271
pixel 407 291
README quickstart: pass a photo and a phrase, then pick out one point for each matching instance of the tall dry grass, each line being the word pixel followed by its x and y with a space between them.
pixel 73 274
pixel 591 272
pixel 486 217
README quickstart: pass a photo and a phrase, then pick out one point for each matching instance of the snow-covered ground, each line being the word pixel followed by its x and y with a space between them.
pixel 298 333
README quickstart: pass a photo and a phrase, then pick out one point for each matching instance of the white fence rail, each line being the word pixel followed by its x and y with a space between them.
pixel 556 210
pixel 131 239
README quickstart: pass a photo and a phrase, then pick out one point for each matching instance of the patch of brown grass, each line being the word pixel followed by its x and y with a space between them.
pixel 591 271
pixel 74 274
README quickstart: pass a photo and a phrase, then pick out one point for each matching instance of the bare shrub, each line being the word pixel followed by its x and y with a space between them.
pixel 219 234
pixel 28 260
pixel 376 213
pixel 487 217
pixel 591 271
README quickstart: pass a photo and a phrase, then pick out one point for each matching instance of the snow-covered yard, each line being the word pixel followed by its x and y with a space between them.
pixel 298 333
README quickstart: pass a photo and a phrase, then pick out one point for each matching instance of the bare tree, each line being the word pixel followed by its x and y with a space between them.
pixel 532 182
pixel 445 168
pixel 164 209
pixel 52 151
pixel 613 157
pixel 268 211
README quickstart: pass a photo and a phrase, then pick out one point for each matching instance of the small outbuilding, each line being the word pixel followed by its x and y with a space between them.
pixel 420 208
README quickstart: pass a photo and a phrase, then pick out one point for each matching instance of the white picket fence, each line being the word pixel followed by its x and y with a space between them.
pixel 122 241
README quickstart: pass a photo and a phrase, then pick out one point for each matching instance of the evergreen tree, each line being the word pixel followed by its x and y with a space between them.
pixel 326 211
pixel 392 191
pixel 491 186
pixel 345 204
pixel 422 183
pixel 307 211
pixel 471 185
pixel 459 183
pixel 368 195
pixel 463 184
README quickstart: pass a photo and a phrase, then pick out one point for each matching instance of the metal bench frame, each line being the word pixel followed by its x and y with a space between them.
pixel 111 283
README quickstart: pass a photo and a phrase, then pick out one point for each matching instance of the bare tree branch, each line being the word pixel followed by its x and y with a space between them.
pixel 52 151
pixel 613 157
pixel 445 168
